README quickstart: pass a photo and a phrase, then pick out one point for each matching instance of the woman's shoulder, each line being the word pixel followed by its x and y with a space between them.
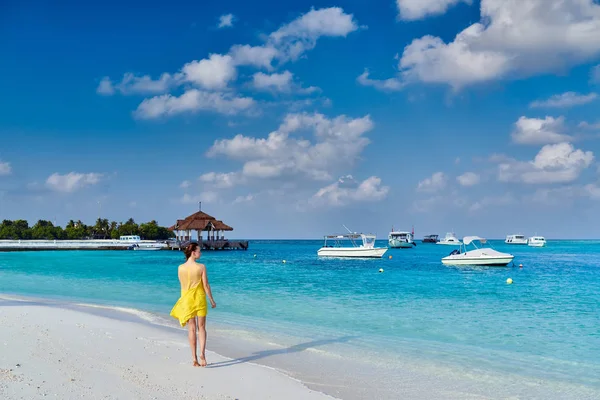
pixel 200 265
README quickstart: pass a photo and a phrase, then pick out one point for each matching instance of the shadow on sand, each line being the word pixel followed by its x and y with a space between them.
pixel 292 349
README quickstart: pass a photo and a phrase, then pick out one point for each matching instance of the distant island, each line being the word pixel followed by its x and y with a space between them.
pixel 77 230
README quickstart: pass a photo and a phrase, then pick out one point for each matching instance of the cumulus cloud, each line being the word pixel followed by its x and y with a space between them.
pixel 468 179
pixel 337 144
pixel 217 72
pixel 568 99
pixel 434 183
pixel 281 83
pixel 131 84
pixel 347 190
pixel 5 168
pixel 193 100
pixel 185 184
pixel 72 181
pixel 536 131
pixel 390 84
pixel 513 39
pixel 418 9
pixel 554 163
pixel 222 180
pixel 225 21
pixel 213 73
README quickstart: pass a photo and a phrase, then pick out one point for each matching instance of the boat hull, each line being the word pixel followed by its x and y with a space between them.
pixel 491 261
pixel 400 244
pixel 147 248
pixel 516 242
pixel 449 243
pixel 537 244
pixel 354 252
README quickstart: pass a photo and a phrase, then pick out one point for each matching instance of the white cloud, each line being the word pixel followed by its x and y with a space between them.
pixel 513 39
pixel 205 197
pixel 193 100
pixel 435 183
pixel 347 190
pixel 185 184
pixel 418 9
pixel 468 179
pixel 257 56
pixel 222 180
pixel 5 168
pixel 244 199
pixel 587 125
pixel 105 87
pixel 282 82
pixel 337 144
pixel 131 84
pixel 213 73
pixel 390 84
pixel 72 181
pixel 554 163
pixel 568 99
pixel 494 201
pixel 225 21
pixel 539 131
pixel 300 35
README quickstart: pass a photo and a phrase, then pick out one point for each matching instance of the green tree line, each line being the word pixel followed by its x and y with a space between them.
pixel 102 229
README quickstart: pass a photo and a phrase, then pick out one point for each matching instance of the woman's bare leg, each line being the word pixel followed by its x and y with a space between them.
pixel 202 338
pixel 192 324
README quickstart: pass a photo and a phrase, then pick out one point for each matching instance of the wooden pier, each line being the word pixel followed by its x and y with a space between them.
pixel 200 222
pixel 209 245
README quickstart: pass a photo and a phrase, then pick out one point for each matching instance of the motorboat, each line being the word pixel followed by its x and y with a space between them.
pixel 515 239
pixel 536 241
pixel 478 256
pixel 134 242
pixel 431 239
pixel 450 239
pixel 401 240
pixel 357 245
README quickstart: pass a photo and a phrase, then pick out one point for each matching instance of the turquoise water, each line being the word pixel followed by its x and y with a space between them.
pixel 545 326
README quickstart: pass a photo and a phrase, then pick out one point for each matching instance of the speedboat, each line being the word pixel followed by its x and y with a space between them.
pixel 515 239
pixel 478 256
pixel 431 239
pixel 537 241
pixel 360 246
pixel 134 242
pixel 450 240
pixel 401 240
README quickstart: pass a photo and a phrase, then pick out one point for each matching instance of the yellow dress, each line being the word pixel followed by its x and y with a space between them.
pixel 192 302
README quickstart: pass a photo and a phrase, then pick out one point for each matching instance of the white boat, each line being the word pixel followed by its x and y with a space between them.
pixel 450 240
pixel 361 246
pixel 537 241
pixel 136 243
pixel 515 239
pixel 477 256
pixel 402 240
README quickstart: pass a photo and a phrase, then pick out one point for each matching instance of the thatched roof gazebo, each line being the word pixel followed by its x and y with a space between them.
pixel 202 222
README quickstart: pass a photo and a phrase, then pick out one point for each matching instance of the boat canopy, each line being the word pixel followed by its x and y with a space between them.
pixel 349 236
pixel 468 239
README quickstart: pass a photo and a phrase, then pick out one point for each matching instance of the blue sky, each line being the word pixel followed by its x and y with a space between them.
pixel 288 120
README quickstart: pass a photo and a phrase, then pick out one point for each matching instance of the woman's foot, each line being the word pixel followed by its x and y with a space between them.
pixel 196 363
pixel 202 362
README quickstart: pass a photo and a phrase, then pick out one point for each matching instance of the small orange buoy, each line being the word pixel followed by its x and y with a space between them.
pixel 390 257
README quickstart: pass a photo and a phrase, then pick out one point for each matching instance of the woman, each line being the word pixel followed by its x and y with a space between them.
pixel 191 307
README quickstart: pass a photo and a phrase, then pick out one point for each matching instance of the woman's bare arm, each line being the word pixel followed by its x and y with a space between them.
pixel 207 287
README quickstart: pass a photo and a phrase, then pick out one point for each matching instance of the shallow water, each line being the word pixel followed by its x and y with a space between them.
pixel 418 319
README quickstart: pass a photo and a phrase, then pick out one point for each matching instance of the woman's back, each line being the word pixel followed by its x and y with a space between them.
pixel 190 276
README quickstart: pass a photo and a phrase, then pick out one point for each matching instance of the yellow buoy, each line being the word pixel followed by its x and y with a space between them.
pixel 390 257
pixel 380 269
pixel 509 281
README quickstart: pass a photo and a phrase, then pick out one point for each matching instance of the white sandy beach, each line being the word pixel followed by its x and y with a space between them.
pixel 49 352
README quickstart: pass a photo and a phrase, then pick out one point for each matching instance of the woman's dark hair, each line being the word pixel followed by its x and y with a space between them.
pixel 189 250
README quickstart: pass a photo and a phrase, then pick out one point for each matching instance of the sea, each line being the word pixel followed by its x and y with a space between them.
pixel 401 327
